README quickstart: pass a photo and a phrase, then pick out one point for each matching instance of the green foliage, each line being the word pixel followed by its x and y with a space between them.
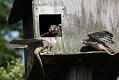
pixel 5 6
pixel 6 54
pixel 11 67
pixel 13 71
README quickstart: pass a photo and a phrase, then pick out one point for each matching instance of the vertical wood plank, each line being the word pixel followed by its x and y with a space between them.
pixel 85 73
pixel 28 34
pixel 79 73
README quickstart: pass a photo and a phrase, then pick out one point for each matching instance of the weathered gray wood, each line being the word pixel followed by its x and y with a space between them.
pixel 79 17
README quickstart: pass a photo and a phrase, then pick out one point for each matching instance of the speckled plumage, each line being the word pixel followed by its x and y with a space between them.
pixel 100 41
pixel 54 31
pixel 103 37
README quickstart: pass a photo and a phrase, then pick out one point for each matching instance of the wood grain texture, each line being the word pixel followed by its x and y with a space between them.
pixel 80 17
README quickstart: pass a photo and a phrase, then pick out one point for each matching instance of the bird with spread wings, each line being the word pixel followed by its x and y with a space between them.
pixel 101 41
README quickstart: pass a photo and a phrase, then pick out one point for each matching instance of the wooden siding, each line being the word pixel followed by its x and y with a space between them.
pixel 79 73
pixel 79 17
pixel 76 67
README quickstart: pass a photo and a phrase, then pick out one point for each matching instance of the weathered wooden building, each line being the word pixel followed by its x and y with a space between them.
pixel 77 19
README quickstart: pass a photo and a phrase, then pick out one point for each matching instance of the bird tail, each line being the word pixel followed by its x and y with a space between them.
pixel 40 61
pixel 111 49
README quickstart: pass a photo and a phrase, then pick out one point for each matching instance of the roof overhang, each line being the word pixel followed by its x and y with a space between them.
pixel 19 10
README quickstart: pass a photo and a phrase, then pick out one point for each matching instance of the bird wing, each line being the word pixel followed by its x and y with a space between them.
pixel 103 37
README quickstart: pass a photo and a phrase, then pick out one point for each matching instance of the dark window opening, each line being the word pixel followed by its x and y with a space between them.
pixel 50 25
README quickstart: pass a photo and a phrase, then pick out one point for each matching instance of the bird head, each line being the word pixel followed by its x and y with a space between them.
pixel 84 41
pixel 54 29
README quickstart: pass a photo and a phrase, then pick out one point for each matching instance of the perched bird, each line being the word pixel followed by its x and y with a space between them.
pixel 103 37
pixel 42 48
pixel 100 41
pixel 39 46
pixel 45 47
pixel 54 31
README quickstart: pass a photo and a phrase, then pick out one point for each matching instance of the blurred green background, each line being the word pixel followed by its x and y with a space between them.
pixel 11 60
